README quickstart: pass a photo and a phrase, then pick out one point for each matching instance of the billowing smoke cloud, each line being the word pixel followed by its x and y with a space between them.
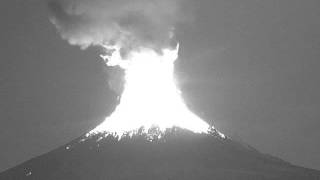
pixel 130 24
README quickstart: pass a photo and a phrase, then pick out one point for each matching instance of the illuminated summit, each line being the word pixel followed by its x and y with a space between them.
pixel 150 97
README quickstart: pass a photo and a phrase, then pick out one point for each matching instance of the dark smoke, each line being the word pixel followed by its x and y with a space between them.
pixel 130 24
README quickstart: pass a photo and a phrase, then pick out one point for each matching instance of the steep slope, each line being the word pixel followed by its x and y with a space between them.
pixel 178 154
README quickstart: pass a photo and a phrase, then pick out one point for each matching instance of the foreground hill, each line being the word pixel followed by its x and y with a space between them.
pixel 178 154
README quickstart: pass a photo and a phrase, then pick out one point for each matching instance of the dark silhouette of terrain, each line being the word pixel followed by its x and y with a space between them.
pixel 178 155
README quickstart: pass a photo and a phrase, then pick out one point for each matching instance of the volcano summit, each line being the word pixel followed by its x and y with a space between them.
pixel 178 154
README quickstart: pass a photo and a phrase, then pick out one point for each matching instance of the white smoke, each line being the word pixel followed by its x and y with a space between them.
pixel 129 24
pixel 142 33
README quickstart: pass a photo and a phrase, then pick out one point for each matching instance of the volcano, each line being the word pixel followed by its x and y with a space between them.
pixel 174 154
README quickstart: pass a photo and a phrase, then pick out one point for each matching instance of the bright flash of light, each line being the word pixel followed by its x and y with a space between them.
pixel 150 97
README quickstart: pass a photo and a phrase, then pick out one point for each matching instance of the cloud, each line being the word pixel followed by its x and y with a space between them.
pixel 129 24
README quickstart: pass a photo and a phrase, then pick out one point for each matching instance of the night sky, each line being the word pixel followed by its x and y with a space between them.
pixel 250 67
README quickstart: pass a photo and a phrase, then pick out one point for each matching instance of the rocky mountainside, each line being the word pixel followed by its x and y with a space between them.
pixel 176 154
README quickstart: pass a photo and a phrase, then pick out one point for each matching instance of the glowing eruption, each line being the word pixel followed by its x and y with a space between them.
pixel 150 97
pixel 137 36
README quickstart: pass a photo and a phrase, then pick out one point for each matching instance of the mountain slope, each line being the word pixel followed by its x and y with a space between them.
pixel 178 154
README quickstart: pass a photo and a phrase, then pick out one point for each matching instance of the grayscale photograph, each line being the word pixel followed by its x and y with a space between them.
pixel 160 90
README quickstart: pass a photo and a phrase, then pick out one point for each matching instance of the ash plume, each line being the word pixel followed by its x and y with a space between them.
pixel 129 24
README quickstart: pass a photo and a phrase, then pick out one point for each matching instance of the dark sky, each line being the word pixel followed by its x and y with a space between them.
pixel 251 66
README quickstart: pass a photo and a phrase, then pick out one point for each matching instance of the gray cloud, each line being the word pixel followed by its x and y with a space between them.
pixel 128 23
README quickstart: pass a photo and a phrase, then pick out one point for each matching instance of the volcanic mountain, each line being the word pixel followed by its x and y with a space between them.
pixel 153 155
